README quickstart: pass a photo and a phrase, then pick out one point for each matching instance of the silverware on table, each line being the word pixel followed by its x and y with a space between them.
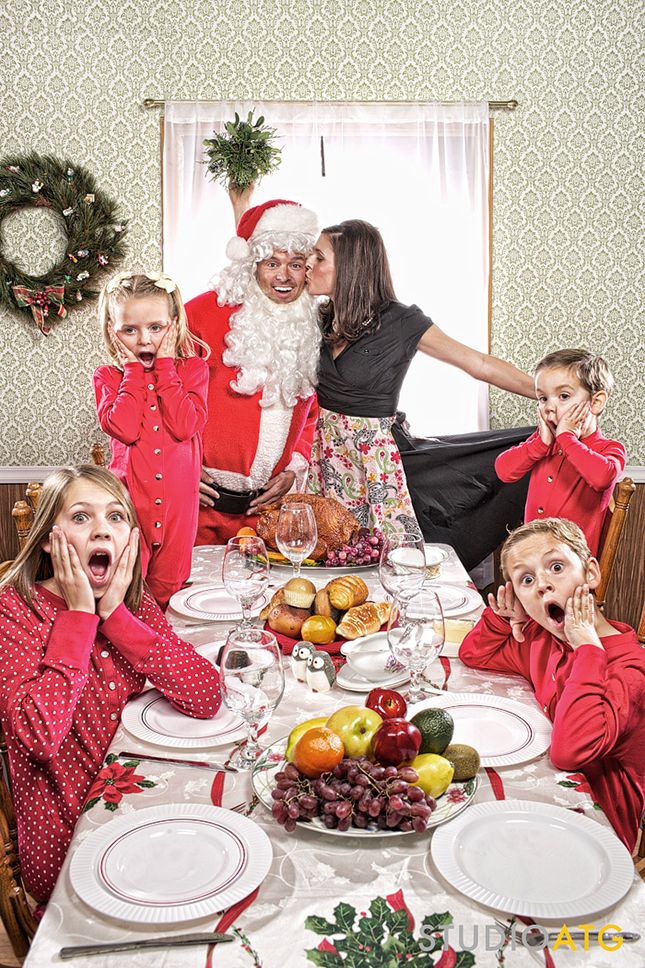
pixel 169 941
pixel 196 764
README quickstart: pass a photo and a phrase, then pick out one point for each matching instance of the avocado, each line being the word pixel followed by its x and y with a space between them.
pixel 436 727
pixel 464 759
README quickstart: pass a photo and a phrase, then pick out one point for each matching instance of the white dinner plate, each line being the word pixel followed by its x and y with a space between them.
pixel 504 732
pixel 151 717
pixel 533 859
pixel 456 798
pixel 346 678
pixel 324 571
pixel 210 601
pixel 170 863
pixel 456 599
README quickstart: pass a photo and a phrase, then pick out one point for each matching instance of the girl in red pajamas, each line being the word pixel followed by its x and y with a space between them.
pixel 79 636
pixel 152 403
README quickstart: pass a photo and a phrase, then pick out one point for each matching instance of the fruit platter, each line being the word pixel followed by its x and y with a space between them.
pixel 326 617
pixel 367 771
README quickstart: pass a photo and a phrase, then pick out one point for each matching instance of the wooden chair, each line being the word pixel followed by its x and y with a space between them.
pixel 610 537
pixel 98 455
pixel 15 912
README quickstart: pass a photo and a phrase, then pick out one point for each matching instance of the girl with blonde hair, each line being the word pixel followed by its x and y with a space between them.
pixel 152 403
pixel 79 637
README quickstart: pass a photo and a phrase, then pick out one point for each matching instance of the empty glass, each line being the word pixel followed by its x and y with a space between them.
pixel 252 684
pixel 402 565
pixel 296 533
pixel 415 634
pixel 245 573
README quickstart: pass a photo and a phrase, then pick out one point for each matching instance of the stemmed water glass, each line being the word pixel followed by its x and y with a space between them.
pixel 245 572
pixel 402 565
pixel 296 533
pixel 415 634
pixel 252 684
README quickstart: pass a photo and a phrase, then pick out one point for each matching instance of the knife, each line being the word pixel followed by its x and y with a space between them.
pixel 169 941
pixel 198 764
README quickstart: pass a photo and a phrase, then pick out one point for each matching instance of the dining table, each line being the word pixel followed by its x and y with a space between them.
pixel 330 898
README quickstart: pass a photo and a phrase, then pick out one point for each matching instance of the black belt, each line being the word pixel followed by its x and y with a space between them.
pixel 233 502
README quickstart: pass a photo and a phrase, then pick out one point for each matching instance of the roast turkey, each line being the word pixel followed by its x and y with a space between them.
pixel 336 525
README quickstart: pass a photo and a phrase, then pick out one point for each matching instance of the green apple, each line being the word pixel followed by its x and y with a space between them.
pixel 355 725
pixel 299 731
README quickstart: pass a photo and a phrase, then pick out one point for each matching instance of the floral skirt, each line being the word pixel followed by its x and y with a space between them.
pixel 355 461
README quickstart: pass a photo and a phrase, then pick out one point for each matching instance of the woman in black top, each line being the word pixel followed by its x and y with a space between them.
pixel 369 340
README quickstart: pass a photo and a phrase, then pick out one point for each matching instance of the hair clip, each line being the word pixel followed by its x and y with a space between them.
pixel 116 281
pixel 161 280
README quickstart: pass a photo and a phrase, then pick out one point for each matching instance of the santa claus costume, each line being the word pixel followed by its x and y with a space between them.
pixel 262 407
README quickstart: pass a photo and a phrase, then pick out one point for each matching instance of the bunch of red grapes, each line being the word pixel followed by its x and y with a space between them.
pixel 357 793
pixel 366 550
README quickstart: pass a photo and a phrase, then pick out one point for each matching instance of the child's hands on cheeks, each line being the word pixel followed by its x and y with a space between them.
pixel 574 419
pixel 121 578
pixel 168 346
pixel 579 619
pixel 123 354
pixel 73 583
pixel 508 606
pixel 546 434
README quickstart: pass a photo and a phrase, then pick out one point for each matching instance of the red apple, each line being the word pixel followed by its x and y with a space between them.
pixel 396 741
pixel 387 703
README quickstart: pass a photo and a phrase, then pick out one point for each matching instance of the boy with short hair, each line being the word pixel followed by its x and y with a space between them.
pixel 573 466
pixel 587 673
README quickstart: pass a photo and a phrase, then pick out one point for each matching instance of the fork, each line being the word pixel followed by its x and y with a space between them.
pixel 244 808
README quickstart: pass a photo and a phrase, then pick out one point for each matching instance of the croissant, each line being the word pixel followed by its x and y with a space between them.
pixel 347 591
pixel 278 599
pixel 363 620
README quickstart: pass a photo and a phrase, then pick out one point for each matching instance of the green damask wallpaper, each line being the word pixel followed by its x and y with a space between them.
pixel 567 223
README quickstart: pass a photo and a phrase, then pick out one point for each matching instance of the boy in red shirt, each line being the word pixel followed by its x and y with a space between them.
pixel 587 673
pixel 573 466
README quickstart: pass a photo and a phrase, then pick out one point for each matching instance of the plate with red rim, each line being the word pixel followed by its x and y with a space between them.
pixel 450 804
pixel 170 863
pixel 151 718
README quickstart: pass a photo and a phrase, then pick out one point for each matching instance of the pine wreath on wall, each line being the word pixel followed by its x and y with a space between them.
pixel 94 235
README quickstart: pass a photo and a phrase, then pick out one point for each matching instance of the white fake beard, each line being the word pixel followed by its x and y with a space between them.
pixel 274 347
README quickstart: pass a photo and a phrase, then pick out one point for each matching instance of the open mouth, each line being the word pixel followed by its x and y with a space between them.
pixel 283 290
pixel 147 359
pixel 98 564
pixel 555 613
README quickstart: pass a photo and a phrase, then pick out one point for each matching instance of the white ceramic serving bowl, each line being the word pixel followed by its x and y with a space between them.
pixel 370 657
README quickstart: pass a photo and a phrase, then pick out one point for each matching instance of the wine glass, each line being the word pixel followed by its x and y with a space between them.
pixel 402 565
pixel 252 683
pixel 415 634
pixel 296 533
pixel 245 572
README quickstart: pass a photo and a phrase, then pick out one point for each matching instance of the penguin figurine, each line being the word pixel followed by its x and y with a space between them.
pixel 299 656
pixel 320 672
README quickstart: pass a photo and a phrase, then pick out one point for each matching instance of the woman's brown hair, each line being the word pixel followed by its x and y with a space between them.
pixel 33 564
pixel 363 282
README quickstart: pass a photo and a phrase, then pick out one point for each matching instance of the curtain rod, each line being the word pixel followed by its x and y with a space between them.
pixel 493 105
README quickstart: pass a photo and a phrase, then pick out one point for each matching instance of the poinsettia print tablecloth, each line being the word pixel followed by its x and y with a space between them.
pixel 327 900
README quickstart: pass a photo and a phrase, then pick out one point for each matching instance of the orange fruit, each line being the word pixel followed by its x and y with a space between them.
pixel 318 751
pixel 247 533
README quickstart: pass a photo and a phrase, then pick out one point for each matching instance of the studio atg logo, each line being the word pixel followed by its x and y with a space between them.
pixel 491 937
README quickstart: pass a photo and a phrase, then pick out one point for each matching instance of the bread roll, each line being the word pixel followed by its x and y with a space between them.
pixel 287 620
pixel 277 599
pixel 322 606
pixel 347 591
pixel 363 620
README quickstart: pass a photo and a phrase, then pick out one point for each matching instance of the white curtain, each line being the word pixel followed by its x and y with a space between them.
pixel 418 171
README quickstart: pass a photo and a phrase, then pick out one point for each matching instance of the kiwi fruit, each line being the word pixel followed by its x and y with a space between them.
pixel 464 759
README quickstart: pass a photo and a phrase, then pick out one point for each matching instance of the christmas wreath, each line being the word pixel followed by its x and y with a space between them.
pixel 93 230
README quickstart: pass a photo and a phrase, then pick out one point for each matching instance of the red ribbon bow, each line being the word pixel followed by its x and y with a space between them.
pixel 40 300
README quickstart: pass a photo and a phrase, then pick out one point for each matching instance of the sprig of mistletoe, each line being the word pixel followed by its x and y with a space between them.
pixel 382 939
pixel 243 153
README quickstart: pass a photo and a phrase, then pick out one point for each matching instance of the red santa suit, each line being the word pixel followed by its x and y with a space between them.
pixel 154 419
pixel 245 444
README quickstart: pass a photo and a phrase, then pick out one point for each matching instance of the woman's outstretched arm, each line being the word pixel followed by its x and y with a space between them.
pixel 481 366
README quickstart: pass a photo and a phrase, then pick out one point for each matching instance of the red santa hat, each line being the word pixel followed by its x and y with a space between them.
pixel 279 223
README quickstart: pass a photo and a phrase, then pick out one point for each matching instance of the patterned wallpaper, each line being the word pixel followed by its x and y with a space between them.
pixel 567 224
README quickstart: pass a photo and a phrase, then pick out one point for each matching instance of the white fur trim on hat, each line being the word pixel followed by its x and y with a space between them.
pixel 237 249
pixel 289 219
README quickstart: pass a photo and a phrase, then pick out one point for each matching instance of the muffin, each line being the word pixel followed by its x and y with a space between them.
pixel 299 592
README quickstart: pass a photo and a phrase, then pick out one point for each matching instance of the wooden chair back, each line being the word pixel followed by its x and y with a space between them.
pixel 98 455
pixel 610 537
pixel 15 912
